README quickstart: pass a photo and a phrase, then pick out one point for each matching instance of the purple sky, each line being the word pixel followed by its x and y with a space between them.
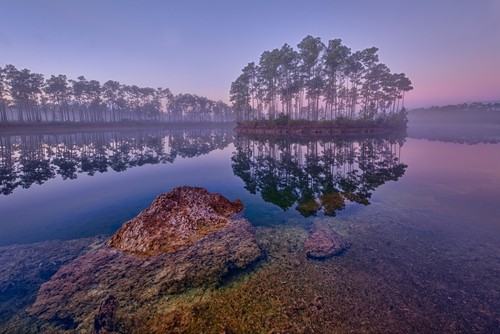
pixel 450 49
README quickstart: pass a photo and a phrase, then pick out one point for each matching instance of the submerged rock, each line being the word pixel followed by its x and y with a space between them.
pixel 105 320
pixel 26 267
pixel 186 238
pixel 323 242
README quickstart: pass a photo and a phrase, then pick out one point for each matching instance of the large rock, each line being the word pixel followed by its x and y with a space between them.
pixel 323 242
pixel 175 220
pixel 186 238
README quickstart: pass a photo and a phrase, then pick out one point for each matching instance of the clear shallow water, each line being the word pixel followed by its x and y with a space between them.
pixel 425 251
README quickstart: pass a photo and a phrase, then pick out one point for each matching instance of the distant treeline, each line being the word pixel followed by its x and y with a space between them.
pixel 27 97
pixel 465 114
pixel 318 82
pixel 470 123
pixel 463 107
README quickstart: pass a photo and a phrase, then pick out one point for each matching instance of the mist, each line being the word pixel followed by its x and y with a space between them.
pixel 465 123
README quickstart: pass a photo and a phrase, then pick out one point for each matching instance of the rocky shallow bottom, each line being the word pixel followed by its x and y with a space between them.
pixel 396 277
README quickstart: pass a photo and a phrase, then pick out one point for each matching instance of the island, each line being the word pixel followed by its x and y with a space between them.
pixel 284 125
pixel 319 88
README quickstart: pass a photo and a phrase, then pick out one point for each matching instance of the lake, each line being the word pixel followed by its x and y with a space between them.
pixel 421 218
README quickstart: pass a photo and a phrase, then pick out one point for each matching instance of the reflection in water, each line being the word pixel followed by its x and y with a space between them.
pixel 34 159
pixel 471 133
pixel 423 259
pixel 317 175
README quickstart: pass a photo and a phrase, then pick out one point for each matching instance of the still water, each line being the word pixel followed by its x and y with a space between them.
pixel 421 216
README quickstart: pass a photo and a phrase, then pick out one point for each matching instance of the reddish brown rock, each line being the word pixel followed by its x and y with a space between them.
pixel 174 220
pixel 190 238
pixel 323 242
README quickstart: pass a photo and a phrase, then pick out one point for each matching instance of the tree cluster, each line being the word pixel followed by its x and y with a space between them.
pixel 27 97
pixel 318 82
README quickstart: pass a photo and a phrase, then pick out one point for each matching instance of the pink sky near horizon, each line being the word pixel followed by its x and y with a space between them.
pixel 445 91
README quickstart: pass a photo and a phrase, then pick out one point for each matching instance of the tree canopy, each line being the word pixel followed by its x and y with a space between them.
pixel 318 81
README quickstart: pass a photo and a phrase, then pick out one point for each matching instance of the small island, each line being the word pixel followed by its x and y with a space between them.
pixel 284 125
pixel 319 89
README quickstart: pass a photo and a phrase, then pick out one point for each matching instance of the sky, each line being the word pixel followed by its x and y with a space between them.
pixel 450 49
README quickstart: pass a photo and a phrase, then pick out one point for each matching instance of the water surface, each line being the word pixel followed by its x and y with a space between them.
pixel 421 217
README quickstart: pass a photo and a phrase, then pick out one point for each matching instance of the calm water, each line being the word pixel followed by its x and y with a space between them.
pixel 422 216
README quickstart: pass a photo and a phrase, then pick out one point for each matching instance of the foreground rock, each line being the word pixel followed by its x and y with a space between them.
pixel 323 242
pixel 187 238
pixel 175 220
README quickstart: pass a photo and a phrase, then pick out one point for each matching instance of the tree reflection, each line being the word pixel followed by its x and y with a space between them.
pixel 313 176
pixel 33 159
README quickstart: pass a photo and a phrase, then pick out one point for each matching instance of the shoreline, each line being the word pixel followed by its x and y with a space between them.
pixel 18 128
pixel 304 138
pixel 313 129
